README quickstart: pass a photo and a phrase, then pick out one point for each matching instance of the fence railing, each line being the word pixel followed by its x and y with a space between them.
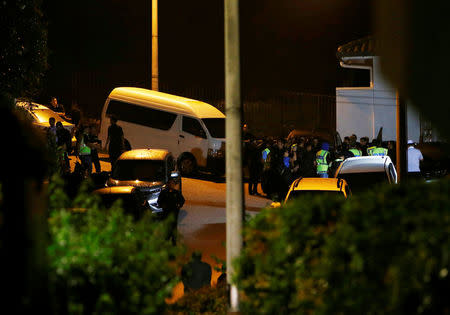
pixel 268 112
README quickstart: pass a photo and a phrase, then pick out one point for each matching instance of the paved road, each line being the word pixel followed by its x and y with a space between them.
pixel 201 222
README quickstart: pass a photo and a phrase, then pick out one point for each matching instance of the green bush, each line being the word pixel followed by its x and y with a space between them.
pixel 205 301
pixel 385 252
pixel 103 262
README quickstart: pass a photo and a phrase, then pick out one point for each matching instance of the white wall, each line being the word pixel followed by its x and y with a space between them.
pixel 363 111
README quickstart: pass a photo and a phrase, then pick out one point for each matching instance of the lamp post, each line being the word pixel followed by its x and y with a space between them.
pixel 235 196
pixel 155 72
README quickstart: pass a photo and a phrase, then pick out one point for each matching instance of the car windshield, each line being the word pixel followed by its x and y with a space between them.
pixel 363 181
pixel 299 193
pixel 145 170
pixel 215 126
pixel 43 115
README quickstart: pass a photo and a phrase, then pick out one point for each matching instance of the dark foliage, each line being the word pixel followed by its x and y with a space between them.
pixel 385 252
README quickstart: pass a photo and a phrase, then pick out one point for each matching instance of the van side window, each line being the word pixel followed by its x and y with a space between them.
pixel 192 126
pixel 141 115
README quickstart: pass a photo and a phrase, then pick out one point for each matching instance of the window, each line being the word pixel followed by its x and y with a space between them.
pixel 216 126
pixel 141 115
pixel 192 126
pixel 359 182
pixel 145 170
pixel 299 193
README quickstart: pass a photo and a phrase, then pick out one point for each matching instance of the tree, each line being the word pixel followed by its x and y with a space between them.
pixel 23 55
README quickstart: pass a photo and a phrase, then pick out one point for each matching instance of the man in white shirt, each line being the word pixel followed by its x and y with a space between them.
pixel 414 159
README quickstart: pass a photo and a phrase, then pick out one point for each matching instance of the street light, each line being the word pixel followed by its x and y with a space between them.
pixel 155 72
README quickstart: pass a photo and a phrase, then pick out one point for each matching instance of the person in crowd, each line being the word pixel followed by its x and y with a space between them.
pixel 51 130
pixel 354 148
pixel 75 115
pixel 414 157
pixel 392 151
pixel 323 160
pixel 95 144
pixel 84 150
pixel 336 163
pixel 63 136
pixel 307 168
pixel 55 106
pixel 65 143
pixel 353 138
pixel 364 141
pixel 345 151
pixel 114 141
pixel 171 200
pixel 316 145
pixel 376 149
pixel 196 274
pixel 254 166
pixel 277 168
pixel 246 134
pixel 347 141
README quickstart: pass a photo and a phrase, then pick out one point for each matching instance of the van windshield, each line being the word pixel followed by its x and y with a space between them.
pixel 216 126
pixel 144 170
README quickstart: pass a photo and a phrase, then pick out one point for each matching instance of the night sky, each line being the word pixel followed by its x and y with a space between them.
pixel 285 44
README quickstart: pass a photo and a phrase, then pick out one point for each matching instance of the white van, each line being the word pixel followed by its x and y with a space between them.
pixel 193 131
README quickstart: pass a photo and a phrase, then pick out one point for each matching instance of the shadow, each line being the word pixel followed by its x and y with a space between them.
pixel 207 176
pixel 217 204
pixel 181 215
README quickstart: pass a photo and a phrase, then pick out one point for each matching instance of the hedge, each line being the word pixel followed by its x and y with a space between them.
pixel 101 261
pixel 383 252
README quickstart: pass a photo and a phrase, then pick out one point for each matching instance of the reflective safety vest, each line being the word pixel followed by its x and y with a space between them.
pixel 321 160
pixel 265 154
pixel 356 152
pixel 376 151
pixel 84 149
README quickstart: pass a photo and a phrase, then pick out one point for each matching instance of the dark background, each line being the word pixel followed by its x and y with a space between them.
pixel 285 45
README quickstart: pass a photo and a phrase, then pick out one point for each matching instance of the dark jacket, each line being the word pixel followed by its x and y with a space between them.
pixel 170 201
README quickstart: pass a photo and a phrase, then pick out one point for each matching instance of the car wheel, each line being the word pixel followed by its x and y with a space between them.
pixel 187 165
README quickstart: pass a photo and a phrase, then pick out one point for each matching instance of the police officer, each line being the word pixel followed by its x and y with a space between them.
pixel 322 160
pixel 353 149
pixel 375 150
pixel 171 200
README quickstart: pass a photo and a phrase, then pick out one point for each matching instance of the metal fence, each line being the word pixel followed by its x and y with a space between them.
pixel 268 112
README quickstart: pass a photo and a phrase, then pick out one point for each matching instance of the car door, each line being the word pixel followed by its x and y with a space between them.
pixel 193 139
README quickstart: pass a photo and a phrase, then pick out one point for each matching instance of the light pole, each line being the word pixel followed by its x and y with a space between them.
pixel 155 72
pixel 235 196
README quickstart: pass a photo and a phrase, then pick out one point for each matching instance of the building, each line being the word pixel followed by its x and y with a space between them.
pixel 364 110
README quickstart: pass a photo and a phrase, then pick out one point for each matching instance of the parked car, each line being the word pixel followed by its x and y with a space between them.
pixel 146 169
pixel 362 173
pixel 316 186
pixel 41 114
pixel 133 201
pixel 192 130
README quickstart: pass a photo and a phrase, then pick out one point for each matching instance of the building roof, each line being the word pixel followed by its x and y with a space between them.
pixel 362 47
pixel 166 102
pixel 363 164
pixel 144 154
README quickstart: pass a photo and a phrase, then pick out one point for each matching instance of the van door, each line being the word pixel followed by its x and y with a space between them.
pixel 193 139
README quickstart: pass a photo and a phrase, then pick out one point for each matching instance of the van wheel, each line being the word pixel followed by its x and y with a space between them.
pixel 187 165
